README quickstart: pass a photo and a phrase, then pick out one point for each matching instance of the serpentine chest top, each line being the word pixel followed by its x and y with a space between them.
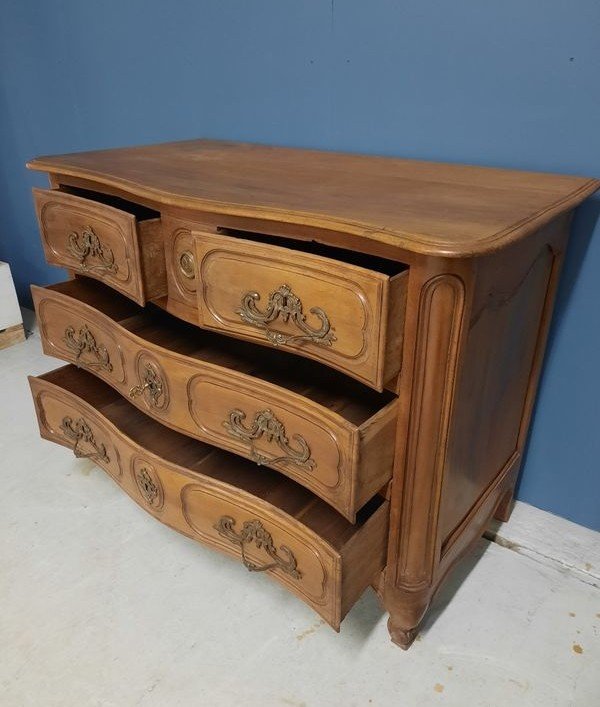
pixel 321 364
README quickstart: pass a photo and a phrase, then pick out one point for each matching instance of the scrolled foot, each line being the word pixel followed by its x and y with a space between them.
pixel 402 637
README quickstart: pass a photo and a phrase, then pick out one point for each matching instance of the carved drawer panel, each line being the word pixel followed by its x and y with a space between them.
pixel 332 435
pixel 82 429
pixel 122 248
pixel 181 268
pixel 346 316
pixel 78 335
pixel 269 523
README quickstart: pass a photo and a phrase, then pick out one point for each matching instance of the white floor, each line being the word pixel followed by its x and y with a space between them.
pixel 102 606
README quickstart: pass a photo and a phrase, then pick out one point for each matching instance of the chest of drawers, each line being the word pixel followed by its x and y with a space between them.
pixel 321 364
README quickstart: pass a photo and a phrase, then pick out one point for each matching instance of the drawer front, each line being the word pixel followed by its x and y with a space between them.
pixel 79 335
pixel 320 308
pixel 274 428
pixel 264 539
pixel 258 534
pixel 64 420
pixel 234 411
pixel 91 238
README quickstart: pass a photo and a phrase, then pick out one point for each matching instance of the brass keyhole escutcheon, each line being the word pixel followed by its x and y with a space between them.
pixel 187 264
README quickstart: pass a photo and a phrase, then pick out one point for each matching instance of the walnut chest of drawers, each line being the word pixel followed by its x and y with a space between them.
pixel 321 364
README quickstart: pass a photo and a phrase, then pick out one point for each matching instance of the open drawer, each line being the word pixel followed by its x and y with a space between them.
pixel 266 521
pixel 103 237
pixel 336 306
pixel 328 433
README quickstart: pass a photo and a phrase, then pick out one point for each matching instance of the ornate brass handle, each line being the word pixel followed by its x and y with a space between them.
pixel 151 383
pixel 86 245
pixel 84 342
pixel 266 423
pixel 285 304
pixel 79 431
pixel 253 531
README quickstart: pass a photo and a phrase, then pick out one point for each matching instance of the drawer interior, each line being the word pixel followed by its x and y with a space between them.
pixel 363 260
pixel 141 213
pixel 350 399
pixel 223 466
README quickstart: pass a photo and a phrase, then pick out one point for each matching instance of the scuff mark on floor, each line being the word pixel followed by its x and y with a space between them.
pixel 292 702
pixel 310 630
pixel 522 685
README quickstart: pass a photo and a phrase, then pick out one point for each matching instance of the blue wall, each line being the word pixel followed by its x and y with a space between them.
pixel 510 84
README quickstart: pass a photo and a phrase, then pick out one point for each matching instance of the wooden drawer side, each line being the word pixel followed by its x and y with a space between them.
pixel 152 253
pixel 396 314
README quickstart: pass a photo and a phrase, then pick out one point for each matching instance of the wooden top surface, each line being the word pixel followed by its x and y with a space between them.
pixel 426 207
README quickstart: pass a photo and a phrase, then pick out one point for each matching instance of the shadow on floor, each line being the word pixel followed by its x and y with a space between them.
pixel 452 583
pixel 364 618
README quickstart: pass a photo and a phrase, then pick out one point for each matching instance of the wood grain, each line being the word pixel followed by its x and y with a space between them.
pixel 464 410
pixel 426 207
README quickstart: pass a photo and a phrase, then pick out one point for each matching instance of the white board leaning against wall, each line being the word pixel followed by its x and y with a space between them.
pixel 11 321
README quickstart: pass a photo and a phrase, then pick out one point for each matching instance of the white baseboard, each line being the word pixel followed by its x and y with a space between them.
pixel 550 540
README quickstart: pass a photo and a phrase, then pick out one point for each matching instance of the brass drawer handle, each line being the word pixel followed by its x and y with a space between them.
pixel 152 384
pixel 79 431
pixel 253 531
pixel 86 245
pixel 266 423
pixel 283 302
pixel 85 342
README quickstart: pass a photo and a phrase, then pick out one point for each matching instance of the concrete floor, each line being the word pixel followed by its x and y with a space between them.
pixel 101 605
